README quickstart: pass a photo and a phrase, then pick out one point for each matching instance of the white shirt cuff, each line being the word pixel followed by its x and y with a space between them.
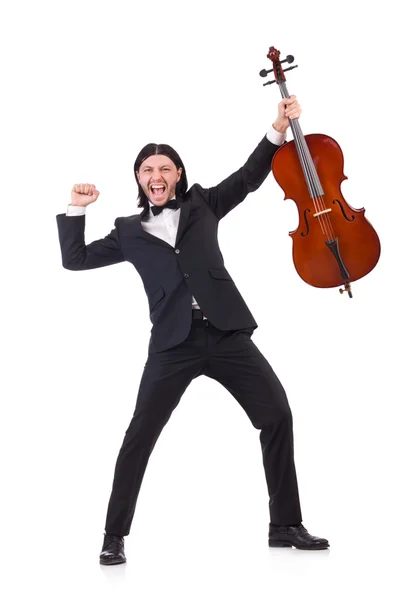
pixel 75 211
pixel 275 137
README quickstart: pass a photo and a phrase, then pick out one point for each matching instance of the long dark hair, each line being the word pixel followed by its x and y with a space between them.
pixel 149 150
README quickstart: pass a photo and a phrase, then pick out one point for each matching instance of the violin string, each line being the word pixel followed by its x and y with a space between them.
pixel 321 201
pixel 306 161
pixel 317 197
pixel 328 221
pixel 318 200
pixel 309 172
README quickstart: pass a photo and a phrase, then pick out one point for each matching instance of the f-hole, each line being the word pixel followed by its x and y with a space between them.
pixel 303 234
pixel 343 212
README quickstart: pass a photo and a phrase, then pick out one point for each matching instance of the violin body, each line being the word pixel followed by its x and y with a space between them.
pixel 334 244
pixel 358 241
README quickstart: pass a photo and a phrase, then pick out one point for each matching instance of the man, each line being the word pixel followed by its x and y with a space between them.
pixel 201 324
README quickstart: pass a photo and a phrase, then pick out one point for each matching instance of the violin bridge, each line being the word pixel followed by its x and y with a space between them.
pixel 317 214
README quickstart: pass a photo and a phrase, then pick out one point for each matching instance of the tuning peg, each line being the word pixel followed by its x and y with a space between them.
pixel 289 59
pixel 290 68
pixel 264 72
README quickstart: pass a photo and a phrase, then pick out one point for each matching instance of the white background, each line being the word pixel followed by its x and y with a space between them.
pixel 85 86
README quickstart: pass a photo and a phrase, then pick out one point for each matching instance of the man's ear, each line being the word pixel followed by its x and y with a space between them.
pixel 179 173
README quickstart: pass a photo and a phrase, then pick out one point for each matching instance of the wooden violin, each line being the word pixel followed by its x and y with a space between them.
pixel 334 244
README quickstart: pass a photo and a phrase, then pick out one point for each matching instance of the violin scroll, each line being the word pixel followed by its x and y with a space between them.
pixel 274 56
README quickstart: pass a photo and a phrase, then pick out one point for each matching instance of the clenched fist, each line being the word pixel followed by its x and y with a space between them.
pixel 84 194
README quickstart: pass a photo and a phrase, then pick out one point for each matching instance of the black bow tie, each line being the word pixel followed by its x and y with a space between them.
pixel 156 210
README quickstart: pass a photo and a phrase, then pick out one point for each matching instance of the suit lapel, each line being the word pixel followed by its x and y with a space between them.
pixel 183 219
pixel 140 232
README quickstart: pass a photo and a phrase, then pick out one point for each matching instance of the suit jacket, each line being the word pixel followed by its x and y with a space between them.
pixel 171 275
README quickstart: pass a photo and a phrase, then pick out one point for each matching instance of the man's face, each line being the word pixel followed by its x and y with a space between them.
pixel 158 177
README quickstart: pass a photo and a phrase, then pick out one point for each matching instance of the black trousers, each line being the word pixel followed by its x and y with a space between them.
pixel 232 359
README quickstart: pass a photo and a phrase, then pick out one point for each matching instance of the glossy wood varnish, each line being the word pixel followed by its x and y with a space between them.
pixel 358 241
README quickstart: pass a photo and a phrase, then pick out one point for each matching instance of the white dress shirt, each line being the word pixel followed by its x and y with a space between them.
pixel 165 224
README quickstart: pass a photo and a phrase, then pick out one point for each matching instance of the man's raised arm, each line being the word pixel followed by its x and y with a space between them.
pixel 76 255
pixel 225 196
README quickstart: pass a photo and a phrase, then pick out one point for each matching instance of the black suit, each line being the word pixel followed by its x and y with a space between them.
pixel 180 348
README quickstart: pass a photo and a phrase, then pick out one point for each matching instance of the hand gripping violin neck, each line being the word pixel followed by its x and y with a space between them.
pixel 334 244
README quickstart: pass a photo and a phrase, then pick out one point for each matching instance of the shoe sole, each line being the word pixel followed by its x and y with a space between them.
pixel 115 561
pixel 281 544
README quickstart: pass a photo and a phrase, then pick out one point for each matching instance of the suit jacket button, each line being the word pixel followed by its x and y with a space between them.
pixel 186 275
pixel 177 251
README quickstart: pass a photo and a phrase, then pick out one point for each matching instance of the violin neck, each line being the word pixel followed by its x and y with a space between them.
pixel 309 170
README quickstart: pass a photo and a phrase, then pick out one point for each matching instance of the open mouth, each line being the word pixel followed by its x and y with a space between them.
pixel 157 190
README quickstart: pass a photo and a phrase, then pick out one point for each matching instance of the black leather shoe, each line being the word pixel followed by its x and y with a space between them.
pixel 112 550
pixel 285 536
